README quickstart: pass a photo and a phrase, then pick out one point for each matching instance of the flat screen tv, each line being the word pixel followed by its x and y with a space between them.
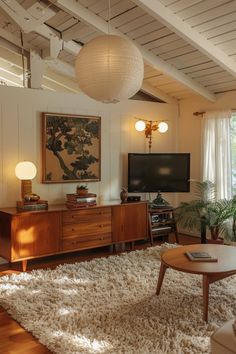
pixel 153 172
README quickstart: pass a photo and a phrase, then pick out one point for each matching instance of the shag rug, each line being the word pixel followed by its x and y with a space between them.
pixel 108 305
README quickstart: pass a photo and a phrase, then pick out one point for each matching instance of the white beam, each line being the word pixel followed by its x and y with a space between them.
pixel 61 67
pixel 55 85
pixel 41 12
pixel 161 13
pixel 36 70
pixel 64 73
pixel 28 23
pixel 10 78
pixel 8 55
pixel 62 81
pixel 23 18
pixel 53 51
pixel 158 93
pixel 70 46
pixel 12 38
pixel 80 12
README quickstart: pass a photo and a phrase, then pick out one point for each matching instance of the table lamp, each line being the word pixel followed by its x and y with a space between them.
pixel 25 171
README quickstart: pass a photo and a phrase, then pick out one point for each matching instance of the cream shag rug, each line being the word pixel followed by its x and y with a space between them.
pixel 108 305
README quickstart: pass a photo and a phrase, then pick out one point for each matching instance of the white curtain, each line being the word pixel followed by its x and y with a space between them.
pixel 217 166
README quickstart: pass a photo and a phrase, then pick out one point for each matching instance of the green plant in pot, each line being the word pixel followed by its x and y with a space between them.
pixel 205 212
pixel 82 189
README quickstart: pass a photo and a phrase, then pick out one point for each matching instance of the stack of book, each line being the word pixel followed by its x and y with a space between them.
pixel 32 205
pixel 79 201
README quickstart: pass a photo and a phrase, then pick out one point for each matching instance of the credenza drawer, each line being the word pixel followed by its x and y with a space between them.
pixel 86 215
pixel 86 229
pixel 72 243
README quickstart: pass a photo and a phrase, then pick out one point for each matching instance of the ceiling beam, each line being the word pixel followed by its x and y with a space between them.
pixel 36 70
pixel 64 73
pixel 27 20
pixel 66 69
pixel 70 46
pixel 161 13
pixel 62 81
pixel 11 38
pixel 80 12
pixel 28 23
pixel 62 68
pixel 158 93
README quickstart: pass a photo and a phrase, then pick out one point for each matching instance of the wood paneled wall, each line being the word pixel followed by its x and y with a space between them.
pixel 20 138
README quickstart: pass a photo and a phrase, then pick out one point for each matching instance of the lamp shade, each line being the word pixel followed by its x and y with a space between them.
pixel 140 125
pixel 25 170
pixel 109 68
pixel 162 127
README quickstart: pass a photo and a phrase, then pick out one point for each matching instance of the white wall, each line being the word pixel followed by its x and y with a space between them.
pixel 20 139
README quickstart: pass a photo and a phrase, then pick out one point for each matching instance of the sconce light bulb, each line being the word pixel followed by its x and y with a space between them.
pixel 25 170
pixel 140 125
pixel 162 127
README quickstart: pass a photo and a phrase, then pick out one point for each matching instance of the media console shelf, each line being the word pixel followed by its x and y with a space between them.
pixel 33 234
pixel 162 222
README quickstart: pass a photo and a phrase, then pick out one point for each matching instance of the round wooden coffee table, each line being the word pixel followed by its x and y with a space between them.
pixel 211 271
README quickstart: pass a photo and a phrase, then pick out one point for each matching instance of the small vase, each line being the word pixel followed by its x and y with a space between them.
pixel 123 195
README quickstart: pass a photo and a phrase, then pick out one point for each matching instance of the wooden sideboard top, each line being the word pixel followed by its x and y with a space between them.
pixel 62 207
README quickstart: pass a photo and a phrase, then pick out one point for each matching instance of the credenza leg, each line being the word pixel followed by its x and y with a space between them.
pixel 24 265
pixel 205 288
pixel 131 245
pixel 161 277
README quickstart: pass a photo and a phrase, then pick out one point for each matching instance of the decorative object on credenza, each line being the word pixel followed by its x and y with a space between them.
pixel 75 200
pixel 31 197
pixel 25 171
pixel 71 148
pixel 82 189
pixel 148 126
pixel 124 195
pixel 32 205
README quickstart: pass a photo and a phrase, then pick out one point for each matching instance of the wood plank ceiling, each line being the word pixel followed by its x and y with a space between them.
pixel 179 66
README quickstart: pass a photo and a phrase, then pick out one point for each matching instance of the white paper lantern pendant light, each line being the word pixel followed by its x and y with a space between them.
pixel 109 68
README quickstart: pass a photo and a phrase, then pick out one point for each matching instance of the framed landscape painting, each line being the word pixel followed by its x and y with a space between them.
pixel 71 148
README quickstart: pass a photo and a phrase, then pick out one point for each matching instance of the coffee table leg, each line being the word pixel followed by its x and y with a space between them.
pixel 205 288
pixel 161 277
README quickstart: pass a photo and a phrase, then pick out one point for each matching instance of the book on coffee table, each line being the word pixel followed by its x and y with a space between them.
pixel 200 257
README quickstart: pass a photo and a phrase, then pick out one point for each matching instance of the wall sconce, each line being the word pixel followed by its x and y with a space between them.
pixel 25 171
pixel 148 126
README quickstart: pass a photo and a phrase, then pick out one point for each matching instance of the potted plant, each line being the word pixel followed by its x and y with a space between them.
pixel 205 212
pixel 82 189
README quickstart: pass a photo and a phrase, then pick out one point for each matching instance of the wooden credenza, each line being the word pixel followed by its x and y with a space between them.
pixel 33 234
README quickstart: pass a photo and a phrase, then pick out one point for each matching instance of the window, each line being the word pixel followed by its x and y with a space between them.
pixel 233 151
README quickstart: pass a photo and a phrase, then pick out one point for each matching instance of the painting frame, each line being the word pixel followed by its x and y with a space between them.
pixel 71 148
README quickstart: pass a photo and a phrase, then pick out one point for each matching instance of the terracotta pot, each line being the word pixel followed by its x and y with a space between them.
pixel 214 232
pixel 82 191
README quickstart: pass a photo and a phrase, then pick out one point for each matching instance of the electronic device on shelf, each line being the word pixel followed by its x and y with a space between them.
pixel 134 198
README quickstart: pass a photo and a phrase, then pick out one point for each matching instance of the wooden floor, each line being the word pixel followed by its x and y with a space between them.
pixel 13 338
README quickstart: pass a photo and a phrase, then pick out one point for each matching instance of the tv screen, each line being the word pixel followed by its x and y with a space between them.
pixel 153 172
